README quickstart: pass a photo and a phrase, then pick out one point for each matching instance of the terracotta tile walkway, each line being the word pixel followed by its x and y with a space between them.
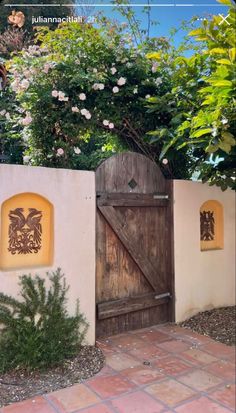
pixel 162 369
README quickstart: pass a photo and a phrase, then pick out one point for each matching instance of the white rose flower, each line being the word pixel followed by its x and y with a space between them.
pixel 95 86
pixel 15 85
pixel 60 152
pixel 25 84
pixel 84 112
pixel 46 68
pixel 224 121
pixel 27 73
pixel 214 132
pixel 113 70
pixel 88 115
pixel 77 150
pixel 55 93
pixel 121 81
pixel 165 161
pixel 95 70
pixel 147 96
pixel 115 89
pixel 158 81
pixel 74 109
pixel 2 113
pixel 27 120
pixel 82 96
pixel 26 158
pixel 61 96
pixel 111 125
pixel 105 122
pixel 101 86
pixel 154 67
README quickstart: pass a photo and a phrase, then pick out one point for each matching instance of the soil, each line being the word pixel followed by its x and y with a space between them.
pixel 19 385
pixel 218 324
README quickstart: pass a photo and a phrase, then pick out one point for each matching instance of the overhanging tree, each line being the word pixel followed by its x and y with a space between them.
pixel 204 98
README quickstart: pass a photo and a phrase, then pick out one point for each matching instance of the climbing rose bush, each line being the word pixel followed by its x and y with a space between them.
pixel 85 84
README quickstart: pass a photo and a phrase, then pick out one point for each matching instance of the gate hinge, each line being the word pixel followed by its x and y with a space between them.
pixel 164 295
pixel 163 196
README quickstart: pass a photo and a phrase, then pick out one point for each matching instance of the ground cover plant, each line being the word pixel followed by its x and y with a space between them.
pixel 37 331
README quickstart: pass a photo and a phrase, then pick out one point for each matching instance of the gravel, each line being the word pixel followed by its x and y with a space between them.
pixel 218 324
pixel 18 385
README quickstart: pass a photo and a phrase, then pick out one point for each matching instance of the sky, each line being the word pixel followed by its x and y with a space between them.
pixel 169 14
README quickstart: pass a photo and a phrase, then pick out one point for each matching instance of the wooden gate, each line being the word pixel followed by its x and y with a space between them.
pixel 134 270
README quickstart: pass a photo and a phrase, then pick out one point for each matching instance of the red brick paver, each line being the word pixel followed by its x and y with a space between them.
pixel 163 369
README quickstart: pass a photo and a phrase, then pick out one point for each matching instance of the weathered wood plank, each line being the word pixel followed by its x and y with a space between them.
pixel 132 199
pixel 128 305
pixel 114 174
pixel 132 321
pixel 129 182
pixel 115 221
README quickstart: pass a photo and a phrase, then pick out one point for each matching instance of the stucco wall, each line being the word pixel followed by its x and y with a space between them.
pixel 72 194
pixel 203 279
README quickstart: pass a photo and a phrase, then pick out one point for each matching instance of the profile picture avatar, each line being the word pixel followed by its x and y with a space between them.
pixel 17 18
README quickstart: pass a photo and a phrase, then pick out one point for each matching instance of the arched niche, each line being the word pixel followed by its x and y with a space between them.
pixel 211 226
pixel 26 232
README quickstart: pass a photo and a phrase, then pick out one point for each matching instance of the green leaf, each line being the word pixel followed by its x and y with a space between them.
pixel 190 142
pixel 228 138
pixel 154 55
pixel 212 148
pixel 154 133
pixel 223 83
pixel 167 146
pixel 197 32
pixel 226 147
pixel 210 99
pixel 218 50
pixel 224 61
pixel 201 132
pixel 232 53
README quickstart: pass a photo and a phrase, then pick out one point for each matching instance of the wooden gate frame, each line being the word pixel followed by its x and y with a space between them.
pixel 105 204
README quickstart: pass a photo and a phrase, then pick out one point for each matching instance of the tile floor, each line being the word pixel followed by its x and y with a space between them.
pixel 163 369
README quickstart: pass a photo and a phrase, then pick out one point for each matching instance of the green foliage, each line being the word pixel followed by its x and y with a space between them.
pixel 86 84
pixel 37 330
pixel 204 100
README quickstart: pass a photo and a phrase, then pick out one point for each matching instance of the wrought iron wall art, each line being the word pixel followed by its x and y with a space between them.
pixel 25 231
pixel 207 225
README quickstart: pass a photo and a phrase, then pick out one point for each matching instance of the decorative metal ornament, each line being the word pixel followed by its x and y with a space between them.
pixel 17 19
pixel 207 225
pixel 25 232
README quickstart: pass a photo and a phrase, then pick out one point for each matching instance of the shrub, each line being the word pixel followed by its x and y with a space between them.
pixel 12 40
pixel 81 84
pixel 37 330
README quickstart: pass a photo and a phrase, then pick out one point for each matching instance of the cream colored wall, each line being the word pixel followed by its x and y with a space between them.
pixel 203 279
pixel 72 194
